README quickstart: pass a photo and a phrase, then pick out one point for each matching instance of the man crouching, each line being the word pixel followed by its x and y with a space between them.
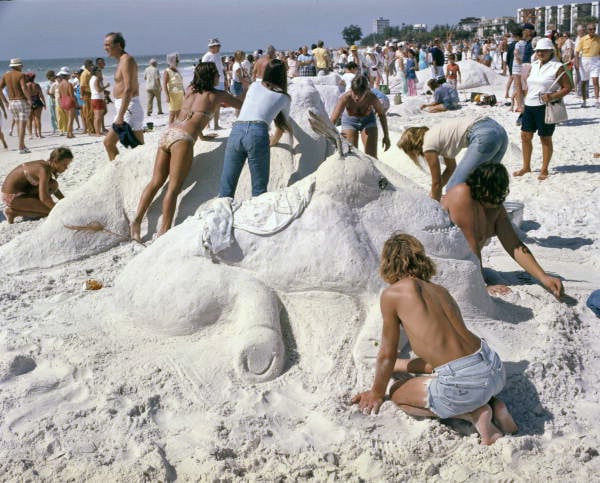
pixel 466 374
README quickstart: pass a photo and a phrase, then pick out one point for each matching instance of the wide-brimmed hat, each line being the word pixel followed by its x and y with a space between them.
pixel 15 62
pixel 354 47
pixel 64 71
pixel 213 42
pixel 369 50
pixel 544 44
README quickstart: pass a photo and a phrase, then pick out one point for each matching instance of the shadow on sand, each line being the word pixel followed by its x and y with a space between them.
pixel 586 168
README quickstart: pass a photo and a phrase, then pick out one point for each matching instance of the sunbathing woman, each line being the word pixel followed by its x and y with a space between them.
pixel 28 189
pixel 176 146
pixel 357 107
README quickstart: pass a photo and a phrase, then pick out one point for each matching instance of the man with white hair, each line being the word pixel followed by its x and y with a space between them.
pixel 152 78
pixel 589 62
pixel 214 46
pixel 19 100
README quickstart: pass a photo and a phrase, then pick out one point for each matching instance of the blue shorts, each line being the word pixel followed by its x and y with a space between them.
pixel 533 120
pixel 465 384
pixel 356 123
pixel 236 89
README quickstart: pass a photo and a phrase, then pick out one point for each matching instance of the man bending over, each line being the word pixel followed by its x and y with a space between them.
pixel 462 373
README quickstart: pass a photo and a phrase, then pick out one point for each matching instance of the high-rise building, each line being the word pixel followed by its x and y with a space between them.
pixel 380 24
pixel 558 17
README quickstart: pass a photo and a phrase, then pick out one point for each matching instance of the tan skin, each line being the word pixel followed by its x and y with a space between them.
pixel 437 335
pixel 439 179
pixel 591 30
pixel 527 137
pixel 99 113
pixel 126 87
pixel 480 221
pixel 172 114
pixel 14 81
pixel 65 89
pixel 36 201
pixel 176 165
pixel 2 113
pixel 360 104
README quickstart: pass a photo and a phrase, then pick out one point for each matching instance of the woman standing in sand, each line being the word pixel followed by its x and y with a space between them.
pixel 173 86
pixel 357 107
pixel 547 82
pixel 176 146
pixel 28 189
pixel 38 102
pixel 67 100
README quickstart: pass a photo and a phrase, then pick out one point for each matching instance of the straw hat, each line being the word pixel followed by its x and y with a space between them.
pixel 354 47
pixel 15 62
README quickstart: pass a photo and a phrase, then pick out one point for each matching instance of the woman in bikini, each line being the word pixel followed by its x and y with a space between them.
pixel 28 189
pixel 176 146
pixel 357 107
pixel 68 103
pixel 38 102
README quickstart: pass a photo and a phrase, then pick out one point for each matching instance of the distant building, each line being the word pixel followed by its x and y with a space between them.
pixel 420 27
pixel 558 17
pixel 493 26
pixel 380 24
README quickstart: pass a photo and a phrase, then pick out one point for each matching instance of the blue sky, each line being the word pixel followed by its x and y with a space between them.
pixel 76 28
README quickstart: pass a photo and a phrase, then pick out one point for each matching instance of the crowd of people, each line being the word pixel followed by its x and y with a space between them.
pixel 255 85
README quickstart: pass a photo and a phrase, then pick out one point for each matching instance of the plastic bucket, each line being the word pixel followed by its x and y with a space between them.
pixel 514 209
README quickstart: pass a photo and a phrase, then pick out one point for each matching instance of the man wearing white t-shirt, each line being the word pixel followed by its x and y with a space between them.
pixel 214 46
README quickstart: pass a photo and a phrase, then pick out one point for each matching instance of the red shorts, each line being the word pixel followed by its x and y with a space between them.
pixel 98 104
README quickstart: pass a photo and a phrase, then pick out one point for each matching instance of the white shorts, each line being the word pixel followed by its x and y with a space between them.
pixel 589 67
pixel 134 115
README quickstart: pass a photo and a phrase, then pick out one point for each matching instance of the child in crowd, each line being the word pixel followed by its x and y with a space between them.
pixel 410 67
pixel 453 76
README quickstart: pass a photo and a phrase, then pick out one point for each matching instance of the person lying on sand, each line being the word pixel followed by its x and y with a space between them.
pixel 457 374
pixel 475 206
pixel 28 189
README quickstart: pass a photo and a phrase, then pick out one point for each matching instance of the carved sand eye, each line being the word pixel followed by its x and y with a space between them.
pixel 383 183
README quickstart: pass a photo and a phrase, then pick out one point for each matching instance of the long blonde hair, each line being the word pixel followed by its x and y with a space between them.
pixel 403 255
pixel 412 141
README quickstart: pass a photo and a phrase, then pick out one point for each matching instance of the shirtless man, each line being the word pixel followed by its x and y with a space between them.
pixel 357 107
pixel 19 99
pixel 259 66
pixel 125 91
pixel 463 374
pixel 476 208
pixel 28 189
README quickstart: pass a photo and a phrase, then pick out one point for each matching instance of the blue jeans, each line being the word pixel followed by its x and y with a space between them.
pixel 248 139
pixel 487 142
pixel 466 384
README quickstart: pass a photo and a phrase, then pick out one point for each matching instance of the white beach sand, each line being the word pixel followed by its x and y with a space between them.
pixel 88 394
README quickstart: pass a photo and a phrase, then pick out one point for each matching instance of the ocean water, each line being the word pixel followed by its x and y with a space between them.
pixel 41 66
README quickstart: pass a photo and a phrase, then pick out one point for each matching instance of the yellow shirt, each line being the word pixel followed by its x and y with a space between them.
pixel 321 57
pixel 84 82
pixel 589 46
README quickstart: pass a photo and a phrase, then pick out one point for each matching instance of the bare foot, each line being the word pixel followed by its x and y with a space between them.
pixel 9 215
pixel 543 175
pixel 134 230
pixel 502 418
pixel 521 172
pixel 482 420
pixel 498 289
pixel 596 155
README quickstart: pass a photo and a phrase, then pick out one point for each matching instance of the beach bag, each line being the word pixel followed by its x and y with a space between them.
pixel 556 111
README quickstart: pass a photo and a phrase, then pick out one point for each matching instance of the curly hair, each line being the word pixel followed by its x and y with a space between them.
pixel 489 183
pixel 61 153
pixel 412 140
pixel 204 77
pixel 403 255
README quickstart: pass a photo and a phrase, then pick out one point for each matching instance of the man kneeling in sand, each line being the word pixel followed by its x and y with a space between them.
pixel 466 373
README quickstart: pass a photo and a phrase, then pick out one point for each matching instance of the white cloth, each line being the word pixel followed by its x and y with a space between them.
pixel 539 81
pixel 266 214
pixel 216 58
pixel 152 78
pixel 94 89
pixel 347 77
pixel 262 104
pixel 589 67
pixel 134 115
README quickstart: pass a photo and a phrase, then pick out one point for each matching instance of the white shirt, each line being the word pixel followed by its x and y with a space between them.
pixel 216 58
pixel 539 81
pixel 262 104
pixel 347 78
pixel 94 88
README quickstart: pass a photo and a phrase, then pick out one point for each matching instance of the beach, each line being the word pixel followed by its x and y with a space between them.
pixel 88 393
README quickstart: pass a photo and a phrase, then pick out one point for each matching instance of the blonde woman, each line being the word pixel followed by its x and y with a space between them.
pixel 173 86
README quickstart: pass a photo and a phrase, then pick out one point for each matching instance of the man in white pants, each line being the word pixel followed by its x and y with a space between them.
pixel 587 60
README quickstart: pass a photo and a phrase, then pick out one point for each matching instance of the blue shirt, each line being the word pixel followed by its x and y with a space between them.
pixel 446 95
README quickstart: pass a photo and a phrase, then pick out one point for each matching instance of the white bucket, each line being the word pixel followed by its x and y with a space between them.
pixel 514 209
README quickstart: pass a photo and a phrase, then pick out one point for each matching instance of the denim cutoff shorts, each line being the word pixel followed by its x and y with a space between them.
pixel 356 123
pixel 466 384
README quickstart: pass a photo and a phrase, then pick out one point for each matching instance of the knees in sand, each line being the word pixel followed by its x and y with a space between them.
pixel 456 374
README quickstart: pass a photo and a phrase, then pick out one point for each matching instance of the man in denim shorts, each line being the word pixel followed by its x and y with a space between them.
pixel 463 374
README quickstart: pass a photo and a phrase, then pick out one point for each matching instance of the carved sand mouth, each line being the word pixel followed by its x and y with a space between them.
pixel 449 228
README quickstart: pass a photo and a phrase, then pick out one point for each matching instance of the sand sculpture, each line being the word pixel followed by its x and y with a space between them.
pixel 193 279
